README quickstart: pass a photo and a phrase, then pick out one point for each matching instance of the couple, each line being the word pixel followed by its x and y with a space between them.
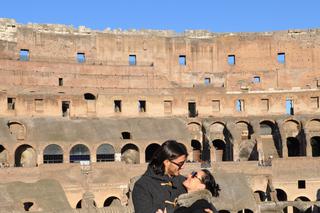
pixel 162 189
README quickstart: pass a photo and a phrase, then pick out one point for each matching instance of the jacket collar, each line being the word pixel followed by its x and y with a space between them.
pixel 189 198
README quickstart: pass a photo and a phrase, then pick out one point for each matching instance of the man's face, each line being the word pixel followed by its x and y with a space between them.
pixel 173 167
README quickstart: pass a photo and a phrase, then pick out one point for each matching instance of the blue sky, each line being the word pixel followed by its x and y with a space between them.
pixel 178 15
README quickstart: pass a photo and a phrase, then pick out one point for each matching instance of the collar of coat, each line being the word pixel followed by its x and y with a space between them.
pixel 187 199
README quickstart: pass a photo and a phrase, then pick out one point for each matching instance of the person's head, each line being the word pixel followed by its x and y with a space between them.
pixel 202 179
pixel 169 158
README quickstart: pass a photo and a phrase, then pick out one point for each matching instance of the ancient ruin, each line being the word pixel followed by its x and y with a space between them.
pixel 82 112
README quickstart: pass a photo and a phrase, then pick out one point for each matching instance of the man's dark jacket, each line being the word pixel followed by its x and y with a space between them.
pixel 152 192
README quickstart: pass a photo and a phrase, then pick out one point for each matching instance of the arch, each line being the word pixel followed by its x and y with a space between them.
pixel 79 204
pixel 315 144
pixel 271 138
pixel 266 127
pixel 53 153
pixel 292 126
pixel 110 200
pixel 89 96
pixel 282 196
pixel 217 128
pixel 17 129
pixel 194 127
pixel 25 156
pixel 196 150
pixel 220 150
pixel 245 211
pixel 126 135
pixel 130 154
pixel 313 125
pixel 3 156
pixel 302 198
pixel 105 153
pixel 150 150
pixel 223 211
pixel 262 195
pixel 245 129
pixel 27 206
pixel 293 147
pixel 79 153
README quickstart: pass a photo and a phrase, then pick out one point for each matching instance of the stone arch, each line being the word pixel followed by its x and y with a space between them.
pixel 150 150
pixel 220 150
pixel 17 129
pixel 271 139
pixel 282 196
pixel 294 147
pixel 3 157
pixel 261 194
pixel 195 130
pixel 245 129
pixel 130 154
pixel 245 211
pixel 25 156
pixel 315 146
pixel 105 153
pixel 79 152
pixel 216 128
pixel 302 198
pixel 196 150
pixel 111 200
pixel 313 126
pixel 89 96
pixel 291 128
pixel 53 153
pixel 79 204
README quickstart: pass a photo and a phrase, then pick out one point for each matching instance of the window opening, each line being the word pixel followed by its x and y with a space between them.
pixel 207 81
pixel 81 57
pixel 281 58
pixel 231 59
pixel 11 103
pixel 256 79
pixel 215 105
pixel 289 107
pixel 301 184
pixel 168 107
pixel 240 105
pixel 60 81
pixel 24 55
pixel 192 109
pixel 142 106
pixel 65 108
pixel 117 105
pixel 126 135
pixel 132 60
pixel 182 60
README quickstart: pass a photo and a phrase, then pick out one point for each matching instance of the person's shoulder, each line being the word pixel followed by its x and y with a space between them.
pixel 202 203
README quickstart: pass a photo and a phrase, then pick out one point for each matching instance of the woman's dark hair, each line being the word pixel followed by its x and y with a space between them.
pixel 169 150
pixel 210 183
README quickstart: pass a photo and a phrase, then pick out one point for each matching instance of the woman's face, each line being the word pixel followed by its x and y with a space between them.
pixel 194 181
pixel 173 167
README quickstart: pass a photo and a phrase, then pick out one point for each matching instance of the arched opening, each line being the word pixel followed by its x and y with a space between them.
pixel 53 153
pixel 79 204
pixel 25 156
pixel 220 150
pixel 270 138
pixel 196 150
pixel 224 211
pixel 126 135
pixel 282 196
pixel 27 206
pixel 315 144
pixel 89 96
pixel 130 154
pixel 105 153
pixel 79 153
pixel 111 200
pixel 3 157
pixel 293 147
pixel 245 211
pixel 150 150
pixel 262 195
pixel 17 130
pixel 302 198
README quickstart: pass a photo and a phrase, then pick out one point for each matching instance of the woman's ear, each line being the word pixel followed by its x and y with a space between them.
pixel 166 163
pixel 202 186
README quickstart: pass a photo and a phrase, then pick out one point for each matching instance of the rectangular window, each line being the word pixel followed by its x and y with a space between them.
pixel 240 105
pixel 315 102
pixel 231 59
pixel 132 60
pixel 168 107
pixel 39 105
pixel 117 105
pixel 256 79
pixel 24 55
pixel 207 81
pixel 182 60
pixel 11 102
pixel 192 109
pixel 60 81
pixel 215 105
pixel 81 58
pixel 265 105
pixel 289 107
pixel 301 184
pixel 281 58
pixel 142 106
pixel 65 108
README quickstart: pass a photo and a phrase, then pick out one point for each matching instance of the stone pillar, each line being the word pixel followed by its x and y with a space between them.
pixel 142 156
pixel 236 136
pixel 308 144
pixel 283 139
pixel 39 154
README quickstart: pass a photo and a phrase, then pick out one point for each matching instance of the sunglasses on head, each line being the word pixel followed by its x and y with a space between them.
pixel 179 165
pixel 194 175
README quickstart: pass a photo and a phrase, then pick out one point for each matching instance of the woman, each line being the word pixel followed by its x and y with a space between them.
pixel 161 184
pixel 201 186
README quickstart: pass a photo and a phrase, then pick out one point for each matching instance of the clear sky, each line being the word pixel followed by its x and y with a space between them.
pixel 178 15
